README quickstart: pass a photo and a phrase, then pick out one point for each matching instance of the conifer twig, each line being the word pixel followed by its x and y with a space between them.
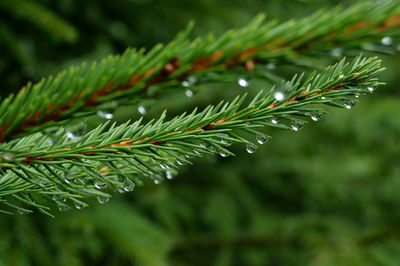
pixel 82 90
pixel 122 156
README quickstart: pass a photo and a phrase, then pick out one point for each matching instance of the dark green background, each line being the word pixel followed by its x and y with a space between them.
pixel 327 195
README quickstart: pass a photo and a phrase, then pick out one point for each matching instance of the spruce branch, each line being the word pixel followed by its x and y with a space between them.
pixel 123 156
pixel 83 90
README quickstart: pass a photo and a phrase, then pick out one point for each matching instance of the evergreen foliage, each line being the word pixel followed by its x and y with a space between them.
pixel 307 210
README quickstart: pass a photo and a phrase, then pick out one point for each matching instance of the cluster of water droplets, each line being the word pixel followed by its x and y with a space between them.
pixel 188 83
pixel 60 200
pixel 123 184
pixel 59 197
pixel 225 142
pixel 349 103
pixel 107 111
pixel 164 165
pixel 105 114
pixel 169 171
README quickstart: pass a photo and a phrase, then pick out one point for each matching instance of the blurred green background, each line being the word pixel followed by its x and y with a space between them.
pixel 328 195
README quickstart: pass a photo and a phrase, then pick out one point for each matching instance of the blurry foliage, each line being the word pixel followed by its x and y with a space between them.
pixel 325 196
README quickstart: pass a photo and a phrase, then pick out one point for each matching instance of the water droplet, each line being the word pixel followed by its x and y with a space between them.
pixel 349 103
pixel 63 208
pixel 72 136
pixel 297 125
pixel 251 148
pixel 41 181
pixel 337 52
pixel 387 40
pixel 75 130
pixel 190 81
pixel 211 148
pixel 22 212
pixel 189 93
pixel 370 89
pixel 341 76
pixel 196 151
pixel 323 97
pixel 100 183
pixel 279 96
pixel 70 178
pixel 51 140
pixel 169 175
pixel 368 46
pixel 128 185
pixel 261 138
pixel 79 205
pixel 59 198
pixel 223 154
pixel 243 82
pixel 120 190
pixel 271 66
pixel 105 114
pixel 142 109
pixel 164 165
pixel 316 115
pixel 157 179
pixel 103 199
pixel 180 162
pixel 226 142
pixel 203 144
pixel 275 121
pixel 357 95
pixel 7 156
